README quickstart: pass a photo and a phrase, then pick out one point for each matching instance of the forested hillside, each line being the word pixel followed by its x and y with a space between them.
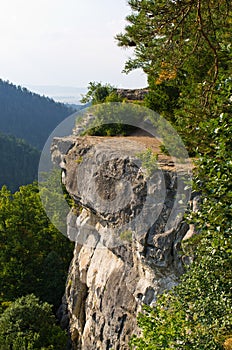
pixel 26 121
pixel 34 258
pixel 19 162
pixel 27 115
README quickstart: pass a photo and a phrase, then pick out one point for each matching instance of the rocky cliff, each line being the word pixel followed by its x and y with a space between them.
pixel 127 235
pixel 133 94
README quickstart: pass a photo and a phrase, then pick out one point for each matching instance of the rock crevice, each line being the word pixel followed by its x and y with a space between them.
pixel 127 236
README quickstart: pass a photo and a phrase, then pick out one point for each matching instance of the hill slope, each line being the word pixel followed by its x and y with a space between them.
pixel 27 115
pixel 19 162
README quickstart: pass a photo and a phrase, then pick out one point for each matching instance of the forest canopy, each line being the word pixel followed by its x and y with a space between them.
pixel 19 162
pixel 34 255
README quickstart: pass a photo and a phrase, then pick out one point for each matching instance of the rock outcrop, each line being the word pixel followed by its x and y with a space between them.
pixel 133 94
pixel 127 236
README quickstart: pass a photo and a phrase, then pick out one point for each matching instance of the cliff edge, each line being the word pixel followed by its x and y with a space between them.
pixel 127 235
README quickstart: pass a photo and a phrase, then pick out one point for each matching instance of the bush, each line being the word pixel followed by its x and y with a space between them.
pixel 28 324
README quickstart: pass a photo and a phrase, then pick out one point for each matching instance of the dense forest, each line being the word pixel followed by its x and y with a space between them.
pixel 34 260
pixel 34 256
pixel 19 162
pixel 27 115
pixel 26 121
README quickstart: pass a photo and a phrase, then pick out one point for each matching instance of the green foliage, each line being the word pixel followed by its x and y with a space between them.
pixel 110 129
pixel 170 39
pixel 28 324
pixel 55 199
pixel 29 116
pixel 183 49
pixel 19 162
pixel 99 93
pixel 110 119
pixel 163 98
pixel 34 255
pixel 31 119
pixel 149 161
pixel 126 236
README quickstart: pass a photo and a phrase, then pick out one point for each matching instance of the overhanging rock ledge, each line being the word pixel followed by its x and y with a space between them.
pixel 127 235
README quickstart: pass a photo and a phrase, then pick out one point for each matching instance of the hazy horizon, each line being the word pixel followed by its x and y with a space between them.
pixel 64 94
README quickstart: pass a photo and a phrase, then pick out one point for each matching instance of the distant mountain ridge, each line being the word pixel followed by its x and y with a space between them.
pixel 64 94
pixel 27 115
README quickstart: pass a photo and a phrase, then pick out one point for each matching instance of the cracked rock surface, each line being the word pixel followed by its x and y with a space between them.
pixel 127 236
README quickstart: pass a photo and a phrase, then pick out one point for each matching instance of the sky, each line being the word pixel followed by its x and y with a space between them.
pixel 64 43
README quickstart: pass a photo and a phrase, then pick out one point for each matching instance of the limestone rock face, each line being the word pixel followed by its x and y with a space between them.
pixel 127 236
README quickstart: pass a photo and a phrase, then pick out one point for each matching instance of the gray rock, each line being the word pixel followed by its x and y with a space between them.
pixel 133 94
pixel 128 237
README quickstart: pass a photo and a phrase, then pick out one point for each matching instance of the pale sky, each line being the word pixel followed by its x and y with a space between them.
pixel 64 43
